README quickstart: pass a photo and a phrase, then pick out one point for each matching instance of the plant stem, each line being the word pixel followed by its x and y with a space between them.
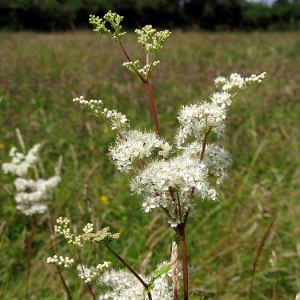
pixel 181 231
pixel 204 144
pixel 128 58
pixel 29 256
pixel 145 285
pixel 88 285
pixel 146 83
pixel 61 277
pixel 152 108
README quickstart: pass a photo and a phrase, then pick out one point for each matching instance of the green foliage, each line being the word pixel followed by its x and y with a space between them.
pixel 41 74
pixel 256 15
pixel 50 15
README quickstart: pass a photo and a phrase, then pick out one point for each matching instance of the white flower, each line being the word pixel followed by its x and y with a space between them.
pixel 221 98
pixel 20 163
pixel 237 81
pixel 197 119
pixel 63 229
pixel 30 202
pixel 165 183
pixel 113 118
pixel 297 296
pixel 135 145
pixel 216 159
pixel 124 286
pixel 61 261
pixel 87 274
pixel 149 205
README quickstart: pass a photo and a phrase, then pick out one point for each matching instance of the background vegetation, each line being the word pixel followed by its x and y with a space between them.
pixel 41 74
pixel 51 15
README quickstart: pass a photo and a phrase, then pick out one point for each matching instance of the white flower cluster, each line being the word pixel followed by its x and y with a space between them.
pixel 163 183
pixel 173 184
pixel 113 118
pixel 125 286
pixel 217 160
pixel 197 119
pixel 61 261
pixel 63 229
pixel 88 228
pixel 134 145
pixel 87 274
pixel 237 81
pixel 21 163
pixel 31 194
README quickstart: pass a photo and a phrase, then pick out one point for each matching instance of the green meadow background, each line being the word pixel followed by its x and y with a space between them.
pixel 40 74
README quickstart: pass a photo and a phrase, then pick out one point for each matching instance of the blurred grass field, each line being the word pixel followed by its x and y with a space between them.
pixel 40 74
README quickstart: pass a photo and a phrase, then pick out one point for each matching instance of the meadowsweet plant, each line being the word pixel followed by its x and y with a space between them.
pixel 172 177
pixel 32 195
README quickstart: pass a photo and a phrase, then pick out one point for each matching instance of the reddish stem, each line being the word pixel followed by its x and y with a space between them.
pixel 128 58
pixel 204 144
pixel 29 256
pixel 152 108
pixel 181 231
pixel 146 83
pixel 88 285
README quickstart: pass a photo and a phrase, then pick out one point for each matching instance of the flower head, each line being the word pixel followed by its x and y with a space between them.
pixel 32 194
pixel 114 20
pixel 102 236
pixel 134 145
pixel 20 163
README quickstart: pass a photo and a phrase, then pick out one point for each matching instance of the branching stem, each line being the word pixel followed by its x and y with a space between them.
pixel 147 86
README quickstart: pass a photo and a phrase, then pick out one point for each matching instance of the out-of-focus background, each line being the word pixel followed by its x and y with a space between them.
pixel 50 55
pixel 53 15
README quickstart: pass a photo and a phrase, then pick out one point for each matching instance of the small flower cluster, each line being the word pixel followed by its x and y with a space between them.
pixel 237 81
pixel 163 183
pixel 63 229
pixel 134 145
pixel 158 38
pixel 31 203
pixel 114 119
pixel 149 39
pixel 101 236
pixel 61 261
pixel 21 163
pixel 134 67
pixel 114 20
pixel 123 285
pixel 87 274
pixel 32 194
pixel 217 160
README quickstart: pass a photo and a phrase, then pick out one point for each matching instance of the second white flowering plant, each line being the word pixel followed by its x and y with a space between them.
pixel 172 178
